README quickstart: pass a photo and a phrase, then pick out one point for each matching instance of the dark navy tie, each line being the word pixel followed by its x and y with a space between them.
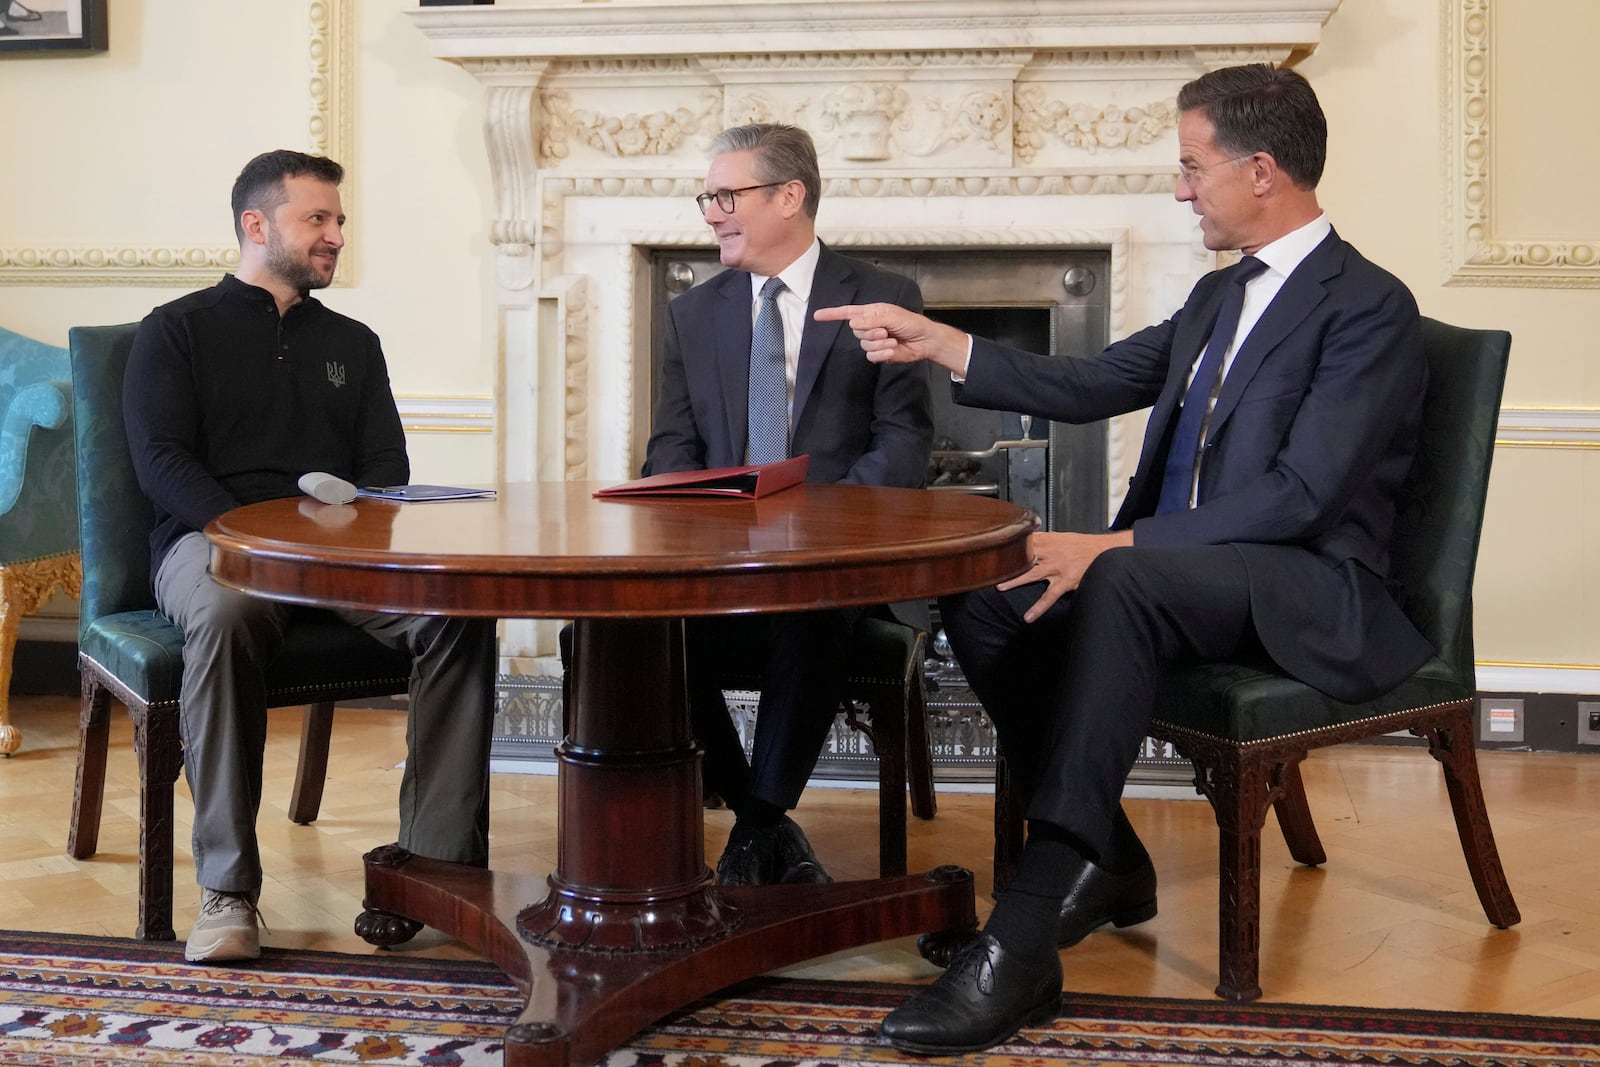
pixel 1177 481
pixel 769 387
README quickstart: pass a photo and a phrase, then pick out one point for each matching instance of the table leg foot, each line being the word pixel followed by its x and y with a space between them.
pixel 586 999
pixel 385 929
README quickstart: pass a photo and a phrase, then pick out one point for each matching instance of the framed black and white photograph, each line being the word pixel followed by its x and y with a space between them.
pixel 52 26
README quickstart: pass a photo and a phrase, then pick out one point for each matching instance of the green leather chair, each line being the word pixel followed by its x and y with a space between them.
pixel 1246 728
pixel 128 650
pixel 38 504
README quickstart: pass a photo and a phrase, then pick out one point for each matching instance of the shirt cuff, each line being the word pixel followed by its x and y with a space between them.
pixel 959 378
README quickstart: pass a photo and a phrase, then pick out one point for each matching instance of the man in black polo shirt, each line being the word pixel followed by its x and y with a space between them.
pixel 232 395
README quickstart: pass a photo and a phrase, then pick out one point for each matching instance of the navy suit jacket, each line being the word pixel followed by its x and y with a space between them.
pixel 1312 434
pixel 860 422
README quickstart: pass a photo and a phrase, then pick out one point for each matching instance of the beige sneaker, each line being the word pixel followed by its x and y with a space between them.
pixel 226 929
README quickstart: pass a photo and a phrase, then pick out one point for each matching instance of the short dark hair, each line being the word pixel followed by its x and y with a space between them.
pixel 1262 108
pixel 259 186
pixel 782 154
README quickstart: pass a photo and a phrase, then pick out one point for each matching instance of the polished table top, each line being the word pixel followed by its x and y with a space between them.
pixel 553 550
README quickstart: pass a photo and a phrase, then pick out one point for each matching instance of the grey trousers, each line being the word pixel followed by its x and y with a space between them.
pixel 229 637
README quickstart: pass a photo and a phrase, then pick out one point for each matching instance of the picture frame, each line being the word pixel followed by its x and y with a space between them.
pixel 52 27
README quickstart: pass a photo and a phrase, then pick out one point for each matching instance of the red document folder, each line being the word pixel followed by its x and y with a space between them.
pixel 738 483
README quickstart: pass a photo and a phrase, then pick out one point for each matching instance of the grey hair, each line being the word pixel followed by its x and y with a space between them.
pixel 782 154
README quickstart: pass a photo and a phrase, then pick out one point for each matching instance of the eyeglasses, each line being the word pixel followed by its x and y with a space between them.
pixel 1190 175
pixel 727 198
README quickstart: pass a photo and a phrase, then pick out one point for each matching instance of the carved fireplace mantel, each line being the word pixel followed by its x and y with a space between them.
pixel 940 123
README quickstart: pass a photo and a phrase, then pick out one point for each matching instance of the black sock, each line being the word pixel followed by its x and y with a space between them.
pixel 1126 852
pixel 755 813
pixel 1027 915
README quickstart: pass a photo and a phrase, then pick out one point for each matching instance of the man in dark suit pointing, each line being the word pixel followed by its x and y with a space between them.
pixel 1284 397
pixel 748 376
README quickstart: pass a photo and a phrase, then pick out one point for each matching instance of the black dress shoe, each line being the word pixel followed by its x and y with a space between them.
pixel 769 855
pixel 748 857
pixel 1095 897
pixel 793 859
pixel 1098 896
pixel 986 996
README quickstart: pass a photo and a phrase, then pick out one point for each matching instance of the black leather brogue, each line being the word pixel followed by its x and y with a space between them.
pixel 986 996
pixel 1098 896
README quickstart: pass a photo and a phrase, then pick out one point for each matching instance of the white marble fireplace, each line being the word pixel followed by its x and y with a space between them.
pixel 940 123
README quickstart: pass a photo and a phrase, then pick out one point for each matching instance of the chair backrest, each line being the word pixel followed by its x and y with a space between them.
pixel 114 518
pixel 1441 513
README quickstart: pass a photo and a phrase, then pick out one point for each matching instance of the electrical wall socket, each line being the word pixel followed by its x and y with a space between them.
pixel 1589 722
pixel 1501 719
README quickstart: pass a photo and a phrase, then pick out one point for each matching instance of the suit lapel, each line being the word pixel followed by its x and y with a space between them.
pixel 731 332
pixel 833 284
pixel 1302 291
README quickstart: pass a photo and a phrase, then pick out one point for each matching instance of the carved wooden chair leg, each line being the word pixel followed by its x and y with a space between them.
pixel 160 758
pixel 919 755
pixel 1294 817
pixel 1009 831
pixel 1452 745
pixel 88 795
pixel 1239 799
pixel 316 730
pixel 889 739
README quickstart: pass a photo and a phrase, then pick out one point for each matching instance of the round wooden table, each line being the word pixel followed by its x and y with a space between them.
pixel 629 926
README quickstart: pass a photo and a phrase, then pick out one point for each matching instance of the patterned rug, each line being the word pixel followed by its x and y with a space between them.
pixel 87 1002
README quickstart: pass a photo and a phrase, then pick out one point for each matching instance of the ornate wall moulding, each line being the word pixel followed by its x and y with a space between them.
pixel 655 133
pixel 1548 428
pixel 422 413
pixel 329 132
pixel 1478 254
pixel 1087 126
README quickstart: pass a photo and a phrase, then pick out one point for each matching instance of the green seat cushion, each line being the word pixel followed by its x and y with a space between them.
pixel 1241 703
pixel 321 656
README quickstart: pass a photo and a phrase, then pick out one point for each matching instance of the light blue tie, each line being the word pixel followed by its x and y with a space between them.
pixel 769 388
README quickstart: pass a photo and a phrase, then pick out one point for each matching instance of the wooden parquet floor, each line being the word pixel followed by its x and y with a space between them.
pixel 1390 921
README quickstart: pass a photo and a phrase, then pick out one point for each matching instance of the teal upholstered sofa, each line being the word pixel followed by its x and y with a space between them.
pixel 38 494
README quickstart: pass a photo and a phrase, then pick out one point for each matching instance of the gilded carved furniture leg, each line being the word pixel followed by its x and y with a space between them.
pixel 88 795
pixel 24 588
pixel 1294 819
pixel 1451 743
pixel 155 737
pixel 316 730
pixel 10 618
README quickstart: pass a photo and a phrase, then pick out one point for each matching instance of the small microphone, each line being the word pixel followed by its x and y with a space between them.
pixel 327 488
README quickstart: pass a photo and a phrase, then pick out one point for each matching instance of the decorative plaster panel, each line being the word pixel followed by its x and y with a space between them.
pixel 1478 255
pixel 328 132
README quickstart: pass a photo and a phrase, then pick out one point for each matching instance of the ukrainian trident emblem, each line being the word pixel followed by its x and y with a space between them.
pixel 336 374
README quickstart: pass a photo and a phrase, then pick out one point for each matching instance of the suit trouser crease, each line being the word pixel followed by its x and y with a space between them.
pixel 230 638
pixel 1072 694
